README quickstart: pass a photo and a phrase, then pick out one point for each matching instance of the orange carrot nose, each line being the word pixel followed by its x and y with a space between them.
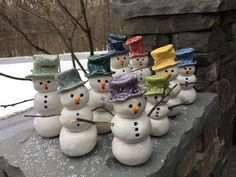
pixel 45 86
pixel 122 61
pixel 136 108
pixel 140 63
pixel 168 75
pixel 103 85
pixel 187 71
pixel 77 99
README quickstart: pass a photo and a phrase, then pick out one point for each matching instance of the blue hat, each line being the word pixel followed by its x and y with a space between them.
pixel 116 44
pixel 185 56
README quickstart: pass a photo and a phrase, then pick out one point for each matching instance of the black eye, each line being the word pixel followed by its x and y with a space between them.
pixel 125 58
pixel 106 81
pixel 172 70
pixel 155 97
pixel 190 68
pixel 118 58
pixel 145 97
pixel 49 82
pixel 71 95
pixel 143 59
pixel 130 106
pixel 99 80
pixel 185 68
pixel 166 70
pixel 137 59
pixel 81 95
pixel 41 83
pixel 139 104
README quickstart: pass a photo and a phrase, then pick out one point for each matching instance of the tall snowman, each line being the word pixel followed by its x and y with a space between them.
pixel 76 138
pixel 99 77
pixel 157 88
pixel 119 55
pixel 165 63
pixel 186 75
pixel 46 101
pixel 138 58
pixel 131 144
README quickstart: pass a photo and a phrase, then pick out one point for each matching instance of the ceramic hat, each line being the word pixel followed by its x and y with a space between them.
pixel 99 65
pixel 136 46
pixel 164 57
pixel 124 87
pixel 116 45
pixel 45 66
pixel 157 84
pixel 69 80
pixel 185 56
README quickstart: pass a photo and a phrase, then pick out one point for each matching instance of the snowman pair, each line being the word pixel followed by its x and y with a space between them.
pixel 119 55
pixel 47 101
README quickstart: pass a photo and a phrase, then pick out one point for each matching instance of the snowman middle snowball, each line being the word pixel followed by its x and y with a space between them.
pixel 131 144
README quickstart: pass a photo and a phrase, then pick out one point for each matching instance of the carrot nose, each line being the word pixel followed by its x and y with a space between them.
pixel 77 99
pixel 136 108
pixel 187 71
pixel 45 86
pixel 122 61
pixel 168 75
pixel 140 63
pixel 103 85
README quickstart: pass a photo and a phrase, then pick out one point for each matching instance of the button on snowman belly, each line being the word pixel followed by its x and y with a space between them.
pixel 185 80
pixel 142 74
pixel 131 130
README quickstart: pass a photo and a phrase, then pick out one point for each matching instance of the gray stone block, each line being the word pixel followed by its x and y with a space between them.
pixel 38 157
pixel 170 23
pixel 138 8
pixel 201 41
pixel 228 17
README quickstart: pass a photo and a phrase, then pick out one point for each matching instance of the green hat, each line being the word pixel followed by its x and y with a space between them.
pixel 69 80
pixel 157 84
pixel 45 66
pixel 99 65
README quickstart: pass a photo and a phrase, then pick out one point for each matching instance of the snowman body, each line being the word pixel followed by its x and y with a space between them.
pixel 131 144
pixel 159 118
pixel 77 138
pixel 46 103
pixel 187 81
pixel 99 95
pixel 172 73
pixel 139 65
pixel 119 64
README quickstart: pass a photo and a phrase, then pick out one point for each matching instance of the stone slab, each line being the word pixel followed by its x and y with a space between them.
pixel 32 155
pixel 137 8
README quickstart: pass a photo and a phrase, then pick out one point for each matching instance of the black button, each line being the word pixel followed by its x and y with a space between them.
pixel 141 74
pixel 45 96
pixel 157 112
pixel 78 124
pixel 156 115
pixel 137 134
pixel 123 70
pixel 141 70
pixel 45 107
pixel 186 78
pixel 45 101
pixel 141 78
pixel 77 114
pixel 158 108
pixel 135 123
pixel 186 82
pixel 136 129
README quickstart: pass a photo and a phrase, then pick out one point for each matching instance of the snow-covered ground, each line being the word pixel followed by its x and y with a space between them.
pixel 12 91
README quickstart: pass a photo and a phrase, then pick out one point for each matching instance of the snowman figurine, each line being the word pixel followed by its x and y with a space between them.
pixel 46 101
pixel 165 63
pixel 157 88
pixel 119 55
pixel 138 58
pixel 99 77
pixel 76 138
pixel 186 75
pixel 131 144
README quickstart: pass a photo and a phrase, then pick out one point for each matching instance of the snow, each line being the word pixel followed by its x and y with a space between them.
pixel 13 91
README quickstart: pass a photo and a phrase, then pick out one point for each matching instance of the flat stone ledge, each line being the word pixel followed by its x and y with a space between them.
pixel 36 156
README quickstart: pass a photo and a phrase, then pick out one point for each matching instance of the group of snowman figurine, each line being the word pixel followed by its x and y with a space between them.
pixel 124 97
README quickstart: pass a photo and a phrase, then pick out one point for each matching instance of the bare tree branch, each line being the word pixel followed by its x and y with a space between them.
pixel 13 77
pixel 16 103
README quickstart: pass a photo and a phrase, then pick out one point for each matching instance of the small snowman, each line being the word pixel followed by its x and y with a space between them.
pixel 76 138
pixel 186 75
pixel 165 63
pixel 131 144
pixel 119 55
pixel 157 87
pixel 138 58
pixel 46 101
pixel 99 77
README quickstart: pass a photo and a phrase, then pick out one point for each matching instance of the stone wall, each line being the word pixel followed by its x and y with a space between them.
pixel 210 28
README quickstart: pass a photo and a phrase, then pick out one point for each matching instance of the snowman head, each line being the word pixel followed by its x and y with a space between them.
pixel 119 61
pixel 100 83
pixel 75 98
pixel 44 85
pixel 187 70
pixel 131 108
pixel 170 72
pixel 139 62
pixel 154 99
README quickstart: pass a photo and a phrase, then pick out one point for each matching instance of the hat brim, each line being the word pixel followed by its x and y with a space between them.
pixel 41 75
pixel 156 92
pixel 121 97
pixel 187 64
pixel 95 73
pixel 113 53
pixel 72 86
pixel 163 66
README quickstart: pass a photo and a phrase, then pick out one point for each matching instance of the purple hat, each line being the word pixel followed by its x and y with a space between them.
pixel 124 87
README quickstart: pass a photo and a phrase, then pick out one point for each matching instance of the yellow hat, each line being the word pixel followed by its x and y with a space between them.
pixel 164 57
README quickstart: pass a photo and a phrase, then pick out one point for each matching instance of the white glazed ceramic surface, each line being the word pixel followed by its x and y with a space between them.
pixel 121 71
pixel 100 83
pixel 120 61
pixel 142 74
pixel 44 85
pixel 139 62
